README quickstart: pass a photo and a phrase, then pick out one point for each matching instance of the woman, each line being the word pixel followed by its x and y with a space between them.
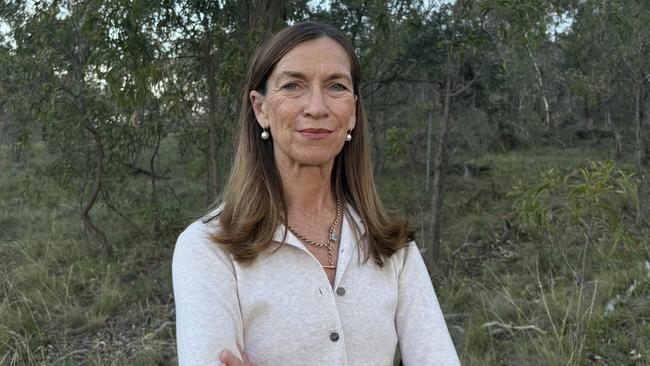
pixel 301 264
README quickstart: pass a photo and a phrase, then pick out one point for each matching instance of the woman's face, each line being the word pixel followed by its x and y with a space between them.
pixel 309 105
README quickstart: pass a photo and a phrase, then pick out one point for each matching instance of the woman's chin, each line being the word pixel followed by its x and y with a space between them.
pixel 306 155
pixel 315 160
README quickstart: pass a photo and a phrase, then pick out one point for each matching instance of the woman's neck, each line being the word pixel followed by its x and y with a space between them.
pixel 308 188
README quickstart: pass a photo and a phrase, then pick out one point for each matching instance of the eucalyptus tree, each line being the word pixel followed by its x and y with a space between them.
pixel 63 45
pixel 525 25
pixel 200 48
pixel 142 85
pixel 593 75
pixel 19 81
pixel 449 44
pixel 17 89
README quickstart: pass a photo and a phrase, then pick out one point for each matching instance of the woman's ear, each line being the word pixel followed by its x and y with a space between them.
pixel 257 101
pixel 353 120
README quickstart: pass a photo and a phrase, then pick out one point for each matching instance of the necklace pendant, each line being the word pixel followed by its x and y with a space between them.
pixel 333 236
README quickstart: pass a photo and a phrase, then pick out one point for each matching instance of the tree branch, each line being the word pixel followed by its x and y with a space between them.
pixel 467 85
pixel 502 328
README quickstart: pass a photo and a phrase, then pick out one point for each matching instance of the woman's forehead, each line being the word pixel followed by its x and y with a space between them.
pixel 318 55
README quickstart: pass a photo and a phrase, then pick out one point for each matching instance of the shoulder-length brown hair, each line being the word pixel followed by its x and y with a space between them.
pixel 253 202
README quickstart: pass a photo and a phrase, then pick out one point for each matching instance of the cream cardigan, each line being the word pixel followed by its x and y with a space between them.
pixel 283 310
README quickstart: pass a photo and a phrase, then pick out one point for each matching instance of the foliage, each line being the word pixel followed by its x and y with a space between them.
pixel 536 266
pixel 597 198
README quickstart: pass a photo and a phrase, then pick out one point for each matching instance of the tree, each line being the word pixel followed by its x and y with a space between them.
pixel 141 83
pixel 452 39
pixel 525 24
pixel 66 45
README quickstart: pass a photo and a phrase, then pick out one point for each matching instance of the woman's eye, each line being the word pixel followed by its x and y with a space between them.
pixel 290 86
pixel 339 87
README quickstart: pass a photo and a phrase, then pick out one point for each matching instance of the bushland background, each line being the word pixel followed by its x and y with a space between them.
pixel 515 134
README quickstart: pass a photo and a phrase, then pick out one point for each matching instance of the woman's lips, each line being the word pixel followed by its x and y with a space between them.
pixel 315 133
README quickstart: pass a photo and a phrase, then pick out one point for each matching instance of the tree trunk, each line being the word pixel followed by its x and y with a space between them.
pixel 617 136
pixel 439 174
pixel 155 223
pixel 374 130
pixel 16 151
pixel 267 16
pixel 643 149
pixel 212 188
pixel 90 227
pixel 429 142
pixel 540 84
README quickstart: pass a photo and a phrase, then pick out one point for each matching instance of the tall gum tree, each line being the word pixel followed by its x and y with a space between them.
pixel 524 24
pixel 141 84
pixel 198 48
pixel 66 48
pixel 450 40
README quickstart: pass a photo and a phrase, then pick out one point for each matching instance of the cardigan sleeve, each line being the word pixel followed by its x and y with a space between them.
pixel 421 329
pixel 208 316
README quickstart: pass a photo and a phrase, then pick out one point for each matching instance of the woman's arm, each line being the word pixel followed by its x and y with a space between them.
pixel 208 318
pixel 421 329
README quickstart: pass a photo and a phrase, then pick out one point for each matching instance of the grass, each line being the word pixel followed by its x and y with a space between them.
pixel 513 294
pixel 553 285
pixel 60 302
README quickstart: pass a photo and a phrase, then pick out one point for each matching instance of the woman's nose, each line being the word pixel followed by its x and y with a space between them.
pixel 316 106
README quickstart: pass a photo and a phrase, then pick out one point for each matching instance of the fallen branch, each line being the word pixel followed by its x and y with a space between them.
pixel 162 327
pixel 465 245
pixel 502 328
pixel 611 304
pixel 455 316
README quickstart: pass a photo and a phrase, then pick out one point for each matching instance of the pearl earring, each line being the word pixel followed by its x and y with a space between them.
pixel 265 134
pixel 348 137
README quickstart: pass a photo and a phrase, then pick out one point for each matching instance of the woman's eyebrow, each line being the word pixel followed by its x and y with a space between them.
pixel 292 74
pixel 337 75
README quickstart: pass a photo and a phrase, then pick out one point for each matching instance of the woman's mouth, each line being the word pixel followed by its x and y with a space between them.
pixel 315 133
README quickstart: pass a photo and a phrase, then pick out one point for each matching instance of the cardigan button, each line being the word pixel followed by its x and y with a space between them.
pixel 334 337
pixel 340 291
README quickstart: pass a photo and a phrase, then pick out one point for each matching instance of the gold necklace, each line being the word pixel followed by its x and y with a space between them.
pixel 331 239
